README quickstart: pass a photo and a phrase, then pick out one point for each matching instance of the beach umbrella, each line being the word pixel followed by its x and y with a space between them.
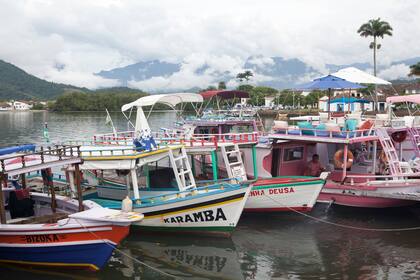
pixel 329 83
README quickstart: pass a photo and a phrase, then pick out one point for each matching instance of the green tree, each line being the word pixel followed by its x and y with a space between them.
pixel 414 69
pixel 80 101
pixel 375 28
pixel 247 88
pixel 257 94
pixel 38 106
pixel 222 85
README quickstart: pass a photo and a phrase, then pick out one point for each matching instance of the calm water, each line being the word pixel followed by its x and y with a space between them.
pixel 275 246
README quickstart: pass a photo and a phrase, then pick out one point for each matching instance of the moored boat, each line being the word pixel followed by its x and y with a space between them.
pixel 207 149
pixel 40 229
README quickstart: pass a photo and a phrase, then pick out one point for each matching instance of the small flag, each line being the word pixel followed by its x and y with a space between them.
pixel 46 134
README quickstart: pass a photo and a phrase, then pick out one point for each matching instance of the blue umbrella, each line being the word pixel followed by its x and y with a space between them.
pixel 328 83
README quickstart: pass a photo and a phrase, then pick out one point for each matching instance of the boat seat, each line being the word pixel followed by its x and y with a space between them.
pixel 45 219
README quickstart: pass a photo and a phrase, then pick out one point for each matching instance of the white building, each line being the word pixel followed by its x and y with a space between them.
pixel 269 101
pixel 17 105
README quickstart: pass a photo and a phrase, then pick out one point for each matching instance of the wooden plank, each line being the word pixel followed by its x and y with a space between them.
pixel 3 178
pixel 78 186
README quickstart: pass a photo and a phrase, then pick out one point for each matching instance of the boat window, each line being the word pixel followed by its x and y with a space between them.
pixel 295 153
pixel 241 129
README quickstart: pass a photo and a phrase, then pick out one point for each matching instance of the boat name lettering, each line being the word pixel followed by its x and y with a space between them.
pixel 209 263
pixel 202 216
pixel 272 191
pixel 41 238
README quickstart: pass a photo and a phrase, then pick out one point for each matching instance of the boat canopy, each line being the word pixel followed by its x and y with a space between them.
pixel 170 99
pixel 355 75
pixel 413 98
pixel 348 100
pixel 16 149
pixel 225 94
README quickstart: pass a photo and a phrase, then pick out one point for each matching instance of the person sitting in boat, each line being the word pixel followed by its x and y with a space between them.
pixel 145 141
pixel 314 167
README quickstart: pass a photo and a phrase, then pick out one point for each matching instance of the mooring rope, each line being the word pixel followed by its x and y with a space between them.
pixel 342 225
pixel 127 255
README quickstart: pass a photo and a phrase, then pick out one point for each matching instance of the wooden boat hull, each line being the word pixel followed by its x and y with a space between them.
pixel 201 212
pixel 213 214
pixel 284 194
pixel 57 246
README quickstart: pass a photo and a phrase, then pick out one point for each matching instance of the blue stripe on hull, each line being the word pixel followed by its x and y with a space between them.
pixel 90 254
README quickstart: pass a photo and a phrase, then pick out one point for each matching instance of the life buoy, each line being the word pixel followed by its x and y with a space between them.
pixel 339 159
pixel 399 136
pixel 366 125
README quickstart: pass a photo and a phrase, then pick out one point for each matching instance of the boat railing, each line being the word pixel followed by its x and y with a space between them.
pixel 47 154
pixel 175 137
pixel 106 137
pixel 98 142
pixel 373 177
pixel 213 140
pixel 341 134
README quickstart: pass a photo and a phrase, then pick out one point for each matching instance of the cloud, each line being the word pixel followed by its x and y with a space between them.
pixel 398 71
pixel 197 70
pixel 87 36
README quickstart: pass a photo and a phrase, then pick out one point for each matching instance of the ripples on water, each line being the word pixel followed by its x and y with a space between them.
pixel 264 246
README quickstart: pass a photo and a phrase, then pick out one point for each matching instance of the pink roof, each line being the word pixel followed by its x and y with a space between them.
pixel 413 98
pixel 225 94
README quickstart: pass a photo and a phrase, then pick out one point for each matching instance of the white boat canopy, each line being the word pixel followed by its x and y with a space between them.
pixel 358 76
pixel 170 99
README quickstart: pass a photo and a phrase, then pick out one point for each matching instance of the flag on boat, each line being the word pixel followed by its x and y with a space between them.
pixel 45 133
pixel 108 121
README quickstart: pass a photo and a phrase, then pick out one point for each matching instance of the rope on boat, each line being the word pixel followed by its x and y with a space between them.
pixel 125 254
pixel 342 225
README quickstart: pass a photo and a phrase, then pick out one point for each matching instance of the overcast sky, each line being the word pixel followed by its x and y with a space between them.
pixel 67 41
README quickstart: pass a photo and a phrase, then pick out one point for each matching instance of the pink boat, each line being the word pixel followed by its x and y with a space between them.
pixel 368 165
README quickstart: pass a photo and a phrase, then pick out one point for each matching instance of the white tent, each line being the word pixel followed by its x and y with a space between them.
pixel 355 75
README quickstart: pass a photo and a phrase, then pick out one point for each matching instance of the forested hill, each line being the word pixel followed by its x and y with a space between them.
pixel 17 84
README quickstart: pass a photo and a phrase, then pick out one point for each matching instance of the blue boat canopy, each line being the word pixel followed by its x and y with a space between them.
pixel 16 149
pixel 348 100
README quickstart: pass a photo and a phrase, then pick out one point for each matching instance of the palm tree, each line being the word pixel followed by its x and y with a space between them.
pixel 244 76
pixel 415 69
pixel 375 28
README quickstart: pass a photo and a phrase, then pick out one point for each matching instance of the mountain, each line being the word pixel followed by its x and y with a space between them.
pixel 141 71
pixel 277 72
pixel 17 84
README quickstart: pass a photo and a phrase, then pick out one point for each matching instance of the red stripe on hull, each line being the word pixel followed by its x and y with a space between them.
pixel 116 234
pixel 278 209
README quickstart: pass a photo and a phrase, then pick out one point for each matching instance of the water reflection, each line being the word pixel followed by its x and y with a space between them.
pixel 187 256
